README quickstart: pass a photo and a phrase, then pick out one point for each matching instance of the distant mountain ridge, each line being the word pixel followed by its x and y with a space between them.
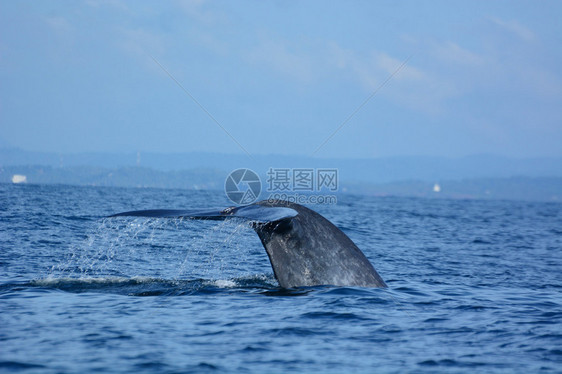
pixel 515 188
pixel 376 170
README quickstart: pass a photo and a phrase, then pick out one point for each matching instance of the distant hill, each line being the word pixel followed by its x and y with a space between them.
pixel 376 170
pixel 518 188
pixel 129 176
pixel 512 188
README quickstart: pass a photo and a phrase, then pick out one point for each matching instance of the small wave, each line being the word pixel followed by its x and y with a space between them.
pixel 15 365
pixel 349 291
pixel 224 283
pixel 54 282
pixel 328 315
pixel 264 284
pixel 147 286
pixel 133 286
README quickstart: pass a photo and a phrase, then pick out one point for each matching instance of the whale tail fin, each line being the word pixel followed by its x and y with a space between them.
pixel 304 248
pixel 253 213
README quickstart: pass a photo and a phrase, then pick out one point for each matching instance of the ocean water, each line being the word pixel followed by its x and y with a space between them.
pixel 474 286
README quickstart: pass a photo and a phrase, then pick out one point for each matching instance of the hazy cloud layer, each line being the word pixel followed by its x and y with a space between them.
pixel 281 77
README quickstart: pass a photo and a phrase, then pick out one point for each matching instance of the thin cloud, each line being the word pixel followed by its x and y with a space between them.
pixel 309 64
pixel 372 68
pixel 389 64
pixel 412 87
pixel 515 28
pixel 454 53
pixel 140 41
pixel 282 57
pixel 200 11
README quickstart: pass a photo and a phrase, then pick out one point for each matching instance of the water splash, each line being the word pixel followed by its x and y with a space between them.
pixel 221 251
pixel 166 249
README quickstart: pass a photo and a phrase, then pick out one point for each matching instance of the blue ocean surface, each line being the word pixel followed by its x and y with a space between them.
pixel 473 286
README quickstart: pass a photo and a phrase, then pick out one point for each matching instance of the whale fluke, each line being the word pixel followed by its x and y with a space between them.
pixel 304 248
pixel 253 213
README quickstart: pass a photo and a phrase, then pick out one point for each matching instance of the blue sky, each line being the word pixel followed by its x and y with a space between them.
pixel 281 77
